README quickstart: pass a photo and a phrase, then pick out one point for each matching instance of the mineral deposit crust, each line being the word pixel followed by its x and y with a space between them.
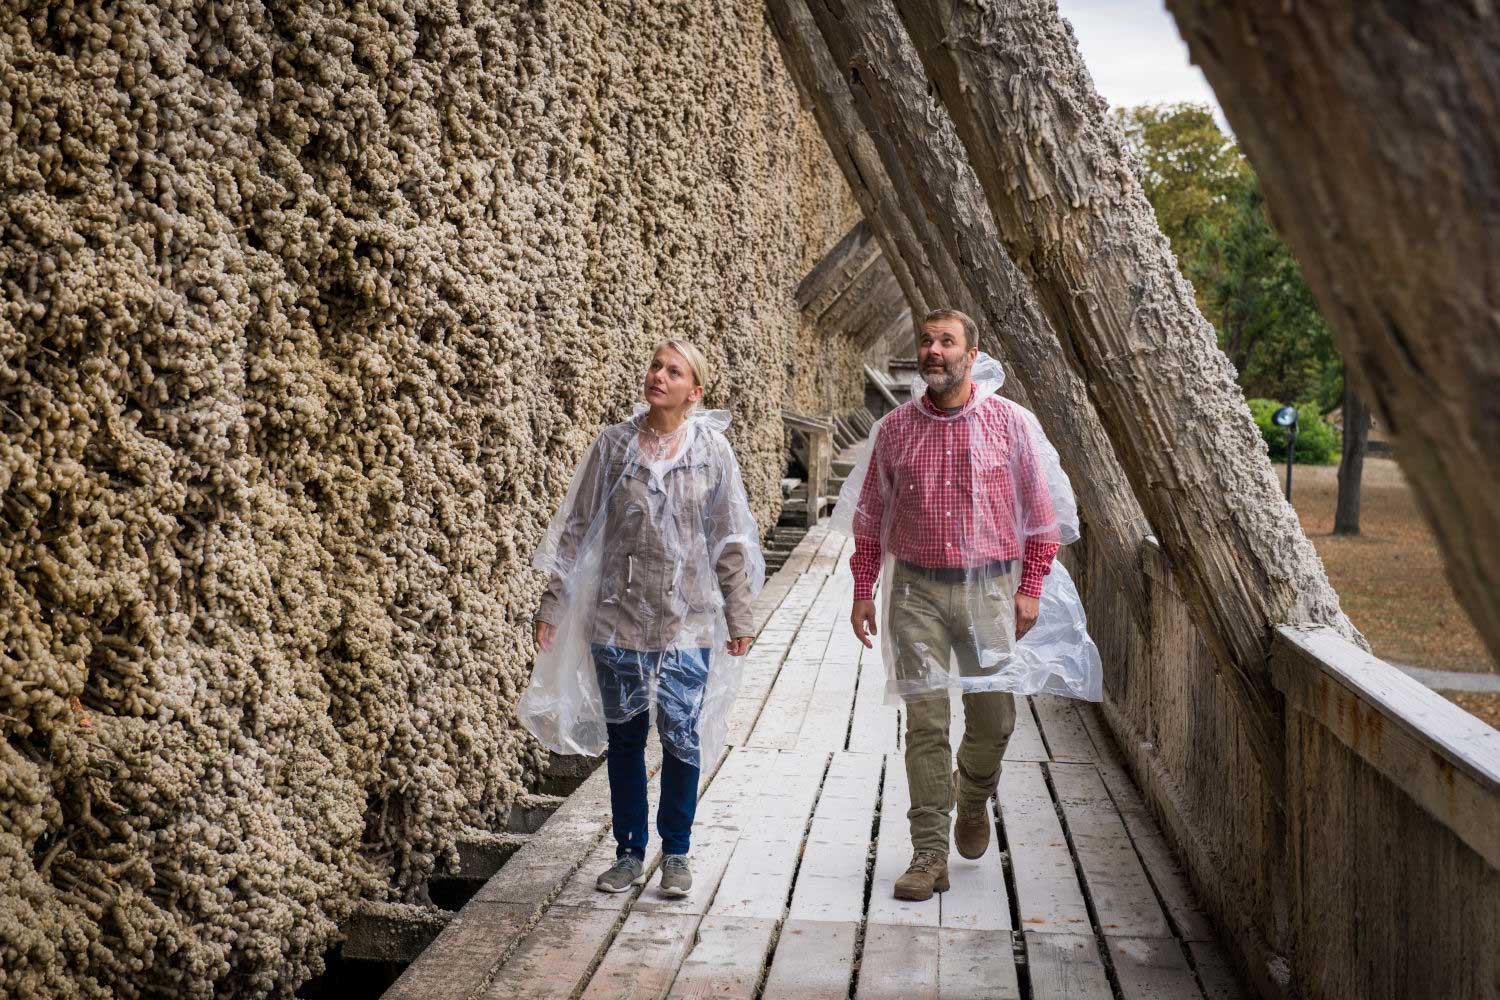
pixel 309 310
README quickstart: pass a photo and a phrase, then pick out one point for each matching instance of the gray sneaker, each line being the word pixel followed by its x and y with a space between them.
pixel 620 876
pixel 676 880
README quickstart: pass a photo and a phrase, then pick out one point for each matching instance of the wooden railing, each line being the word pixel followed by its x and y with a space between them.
pixel 1381 876
pixel 812 443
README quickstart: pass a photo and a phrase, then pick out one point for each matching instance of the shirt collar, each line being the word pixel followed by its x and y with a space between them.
pixel 937 411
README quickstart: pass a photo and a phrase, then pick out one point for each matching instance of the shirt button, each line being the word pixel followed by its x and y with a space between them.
pixel 947 482
pixel 947 513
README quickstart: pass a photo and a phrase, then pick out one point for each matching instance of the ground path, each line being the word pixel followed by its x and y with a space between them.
pixel 801 831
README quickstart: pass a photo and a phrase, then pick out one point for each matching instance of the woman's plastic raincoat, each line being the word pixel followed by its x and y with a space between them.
pixel 959 511
pixel 653 561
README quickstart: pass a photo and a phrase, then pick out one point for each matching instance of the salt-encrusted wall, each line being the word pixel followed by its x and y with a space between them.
pixel 308 311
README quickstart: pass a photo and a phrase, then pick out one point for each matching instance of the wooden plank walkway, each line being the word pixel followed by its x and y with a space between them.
pixel 802 830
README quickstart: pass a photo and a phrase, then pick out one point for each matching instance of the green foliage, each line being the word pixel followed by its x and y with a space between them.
pixel 1317 441
pixel 1209 204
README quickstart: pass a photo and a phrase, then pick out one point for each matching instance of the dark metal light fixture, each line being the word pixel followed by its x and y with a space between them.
pixel 1287 417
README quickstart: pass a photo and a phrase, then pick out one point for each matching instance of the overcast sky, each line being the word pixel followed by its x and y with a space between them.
pixel 1135 54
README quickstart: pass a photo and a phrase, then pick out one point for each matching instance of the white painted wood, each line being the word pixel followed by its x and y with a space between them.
pixel 726 960
pixel 1124 901
pixel 644 957
pixel 1048 895
pixel 831 881
pixel 875 722
pixel 1152 969
pixel 893 854
pixel 1066 967
pixel 1026 740
pixel 814 961
pixel 1067 739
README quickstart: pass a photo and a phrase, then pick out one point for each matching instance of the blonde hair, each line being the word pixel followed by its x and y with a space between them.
pixel 694 357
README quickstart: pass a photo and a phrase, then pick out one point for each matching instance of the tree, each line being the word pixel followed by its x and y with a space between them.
pixel 1191 173
pixel 1269 323
pixel 1352 463
pixel 1246 282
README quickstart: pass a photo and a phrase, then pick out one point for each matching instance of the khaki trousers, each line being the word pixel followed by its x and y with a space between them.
pixel 932 621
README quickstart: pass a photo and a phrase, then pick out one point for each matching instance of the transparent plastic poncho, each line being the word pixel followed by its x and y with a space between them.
pixel 951 509
pixel 652 563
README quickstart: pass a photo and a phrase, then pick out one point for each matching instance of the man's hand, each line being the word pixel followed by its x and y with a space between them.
pixel 545 633
pixel 739 646
pixel 863 620
pixel 1026 609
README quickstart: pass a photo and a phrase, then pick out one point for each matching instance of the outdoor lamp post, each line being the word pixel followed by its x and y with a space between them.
pixel 1287 417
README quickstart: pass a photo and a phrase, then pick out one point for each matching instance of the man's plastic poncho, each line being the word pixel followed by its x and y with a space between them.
pixel 652 561
pixel 971 494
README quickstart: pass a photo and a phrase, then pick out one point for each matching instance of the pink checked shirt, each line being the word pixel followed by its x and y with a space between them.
pixel 948 513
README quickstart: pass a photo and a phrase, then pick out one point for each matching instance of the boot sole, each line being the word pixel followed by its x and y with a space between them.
pixel 675 893
pixel 972 857
pixel 940 886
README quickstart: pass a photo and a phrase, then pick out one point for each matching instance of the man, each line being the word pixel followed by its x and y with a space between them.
pixel 956 506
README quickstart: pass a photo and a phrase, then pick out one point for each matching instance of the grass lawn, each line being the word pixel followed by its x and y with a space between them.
pixel 1390 578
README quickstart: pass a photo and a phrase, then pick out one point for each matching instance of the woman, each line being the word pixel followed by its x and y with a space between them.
pixel 653 561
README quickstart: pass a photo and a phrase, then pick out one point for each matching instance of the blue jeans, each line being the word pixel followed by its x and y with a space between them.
pixel 625 677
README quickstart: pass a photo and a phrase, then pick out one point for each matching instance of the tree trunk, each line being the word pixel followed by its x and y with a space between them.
pixel 1352 462
pixel 987 286
pixel 1072 215
pixel 1375 132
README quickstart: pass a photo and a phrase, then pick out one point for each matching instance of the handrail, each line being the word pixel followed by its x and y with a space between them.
pixel 880 384
pixel 1438 755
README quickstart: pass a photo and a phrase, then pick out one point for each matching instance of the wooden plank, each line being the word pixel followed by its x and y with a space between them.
pixel 814 960
pixel 893 854
pixel 976 965
pixel 781 720
pixel 835 269
pixel 899 962
pixel 1440 756
pixel 1217 976
pixel 1123 898
pixel 644 957
pixel 554 958
pixel 976 899
pixel 1062 729
pixel 758 878
pixel 1048 896
pixel 1190 921
pixel 826 723
pixel 875 722
pixel 726 961
pixel 1065 967
pixel 1152 969
pixel 464 955
pixel 831 881
pixel 717 827
pixel 1026 740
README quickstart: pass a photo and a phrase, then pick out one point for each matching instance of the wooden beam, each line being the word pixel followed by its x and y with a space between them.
pixel 1375 134
pixel 1070 213
pixel 833 272
pixel 1438 755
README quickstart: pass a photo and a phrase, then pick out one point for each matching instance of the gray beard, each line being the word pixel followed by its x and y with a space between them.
pixel 943 382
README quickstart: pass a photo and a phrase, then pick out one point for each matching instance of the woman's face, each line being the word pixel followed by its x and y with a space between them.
pixel 669 382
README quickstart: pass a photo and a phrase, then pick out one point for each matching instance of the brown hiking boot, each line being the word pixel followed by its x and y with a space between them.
pixel 927 874
pixel 971 830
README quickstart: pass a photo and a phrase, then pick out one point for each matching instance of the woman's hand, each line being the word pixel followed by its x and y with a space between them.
pixel 545 633
pixel 739 646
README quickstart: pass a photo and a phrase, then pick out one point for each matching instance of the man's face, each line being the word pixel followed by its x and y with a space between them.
pixel 943 355
pixel 669 381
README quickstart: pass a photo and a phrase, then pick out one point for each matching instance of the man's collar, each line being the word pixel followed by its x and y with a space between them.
pixel 938 411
